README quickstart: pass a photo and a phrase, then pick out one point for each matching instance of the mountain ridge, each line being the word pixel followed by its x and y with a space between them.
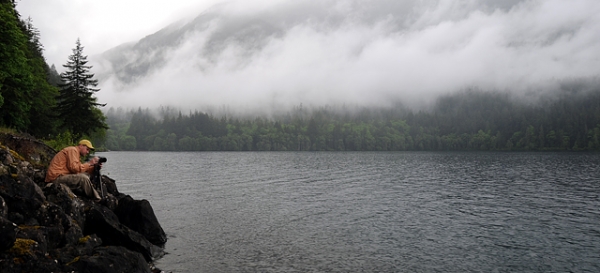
pixel 342 51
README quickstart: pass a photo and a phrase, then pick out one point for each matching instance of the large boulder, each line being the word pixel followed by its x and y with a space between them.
pixel 139 216
pixel 111 259
pixel 23 197
pixel 30 149
pixel 111 186
pixel 102 221
pixel 70 253
pixel 64 198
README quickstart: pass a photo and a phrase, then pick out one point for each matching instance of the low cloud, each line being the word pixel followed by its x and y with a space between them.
pixel 284 53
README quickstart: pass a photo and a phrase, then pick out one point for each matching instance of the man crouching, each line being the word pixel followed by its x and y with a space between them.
pixel 66 168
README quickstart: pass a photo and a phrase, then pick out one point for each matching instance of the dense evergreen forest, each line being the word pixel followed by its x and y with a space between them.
pixel 26 90
pixel 567 120
pixel 34 98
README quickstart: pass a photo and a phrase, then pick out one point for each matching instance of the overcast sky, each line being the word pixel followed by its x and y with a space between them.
pixel 345 51
pixel 101 25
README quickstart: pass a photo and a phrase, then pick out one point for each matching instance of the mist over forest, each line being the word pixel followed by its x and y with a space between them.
pixel 250 56
pixel 470 120
pixel 346 75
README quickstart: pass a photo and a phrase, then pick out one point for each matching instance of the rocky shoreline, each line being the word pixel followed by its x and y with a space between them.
pixel 49 228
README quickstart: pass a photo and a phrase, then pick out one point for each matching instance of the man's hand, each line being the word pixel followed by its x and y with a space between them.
pixel 94 160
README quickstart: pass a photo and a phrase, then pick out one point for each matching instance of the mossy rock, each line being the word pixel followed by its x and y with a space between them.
pixel 28 149
pixel 23 247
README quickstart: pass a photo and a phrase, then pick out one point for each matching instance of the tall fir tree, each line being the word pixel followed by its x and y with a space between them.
pixel 16 81
pixel 43 96
pixel 77 107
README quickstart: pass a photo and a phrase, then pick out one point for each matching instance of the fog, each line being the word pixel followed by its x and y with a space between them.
pixel 251 55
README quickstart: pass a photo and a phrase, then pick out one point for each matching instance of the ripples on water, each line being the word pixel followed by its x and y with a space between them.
pixel 370 212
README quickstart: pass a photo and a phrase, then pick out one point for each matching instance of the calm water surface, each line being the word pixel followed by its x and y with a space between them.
pixel 369 211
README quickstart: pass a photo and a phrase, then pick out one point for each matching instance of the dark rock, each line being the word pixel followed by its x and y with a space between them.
pixel 54 216
pixel 84 246
pixel 111 186
pixel 62 196
pixel 48 228
pixel 46 237
pixel 110 259
pixel 72 235
pixel 52 225
pixel 5 157
pixel 103 222
pixel 24 168
pixel 110 202
pixel 8 234
pixel 22 195
pixel 3 208
pixel 35 233
pixel 25 256
pixel 54 236
pixel 30 149
pixel 16 217
pixel 139 216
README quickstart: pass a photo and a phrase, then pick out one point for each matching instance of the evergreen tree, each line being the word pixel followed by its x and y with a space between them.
pixel 54 77
pixel 76 106
pixel 43 96
pixel 16 81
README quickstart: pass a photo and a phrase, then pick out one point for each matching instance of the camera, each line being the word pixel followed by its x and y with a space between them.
pixel 101 159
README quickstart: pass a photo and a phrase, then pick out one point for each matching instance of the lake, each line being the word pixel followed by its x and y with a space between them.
pixel 369 211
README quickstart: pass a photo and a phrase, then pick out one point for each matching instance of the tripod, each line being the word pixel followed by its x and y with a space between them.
pixel 96 179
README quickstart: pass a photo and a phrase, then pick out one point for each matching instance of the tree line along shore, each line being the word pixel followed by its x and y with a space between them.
pixel 466 121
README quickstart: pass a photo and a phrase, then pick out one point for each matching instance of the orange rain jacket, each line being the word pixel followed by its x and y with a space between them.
pixel 66 162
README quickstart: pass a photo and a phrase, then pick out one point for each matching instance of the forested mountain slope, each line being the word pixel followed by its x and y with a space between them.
pixel 472 120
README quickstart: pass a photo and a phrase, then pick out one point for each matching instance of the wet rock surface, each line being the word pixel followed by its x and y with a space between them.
pixel 49 228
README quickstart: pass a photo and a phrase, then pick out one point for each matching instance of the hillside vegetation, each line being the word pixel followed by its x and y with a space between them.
pixel 34 98
pixel 564 121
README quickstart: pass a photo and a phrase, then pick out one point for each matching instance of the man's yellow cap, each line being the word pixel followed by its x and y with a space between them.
pixel 86 143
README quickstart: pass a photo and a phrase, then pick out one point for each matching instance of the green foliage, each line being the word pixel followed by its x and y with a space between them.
pixel 60 141
pixel 43 96
pixel 16 79
pixel 76 106
pixel 465 121
pixel 27 84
